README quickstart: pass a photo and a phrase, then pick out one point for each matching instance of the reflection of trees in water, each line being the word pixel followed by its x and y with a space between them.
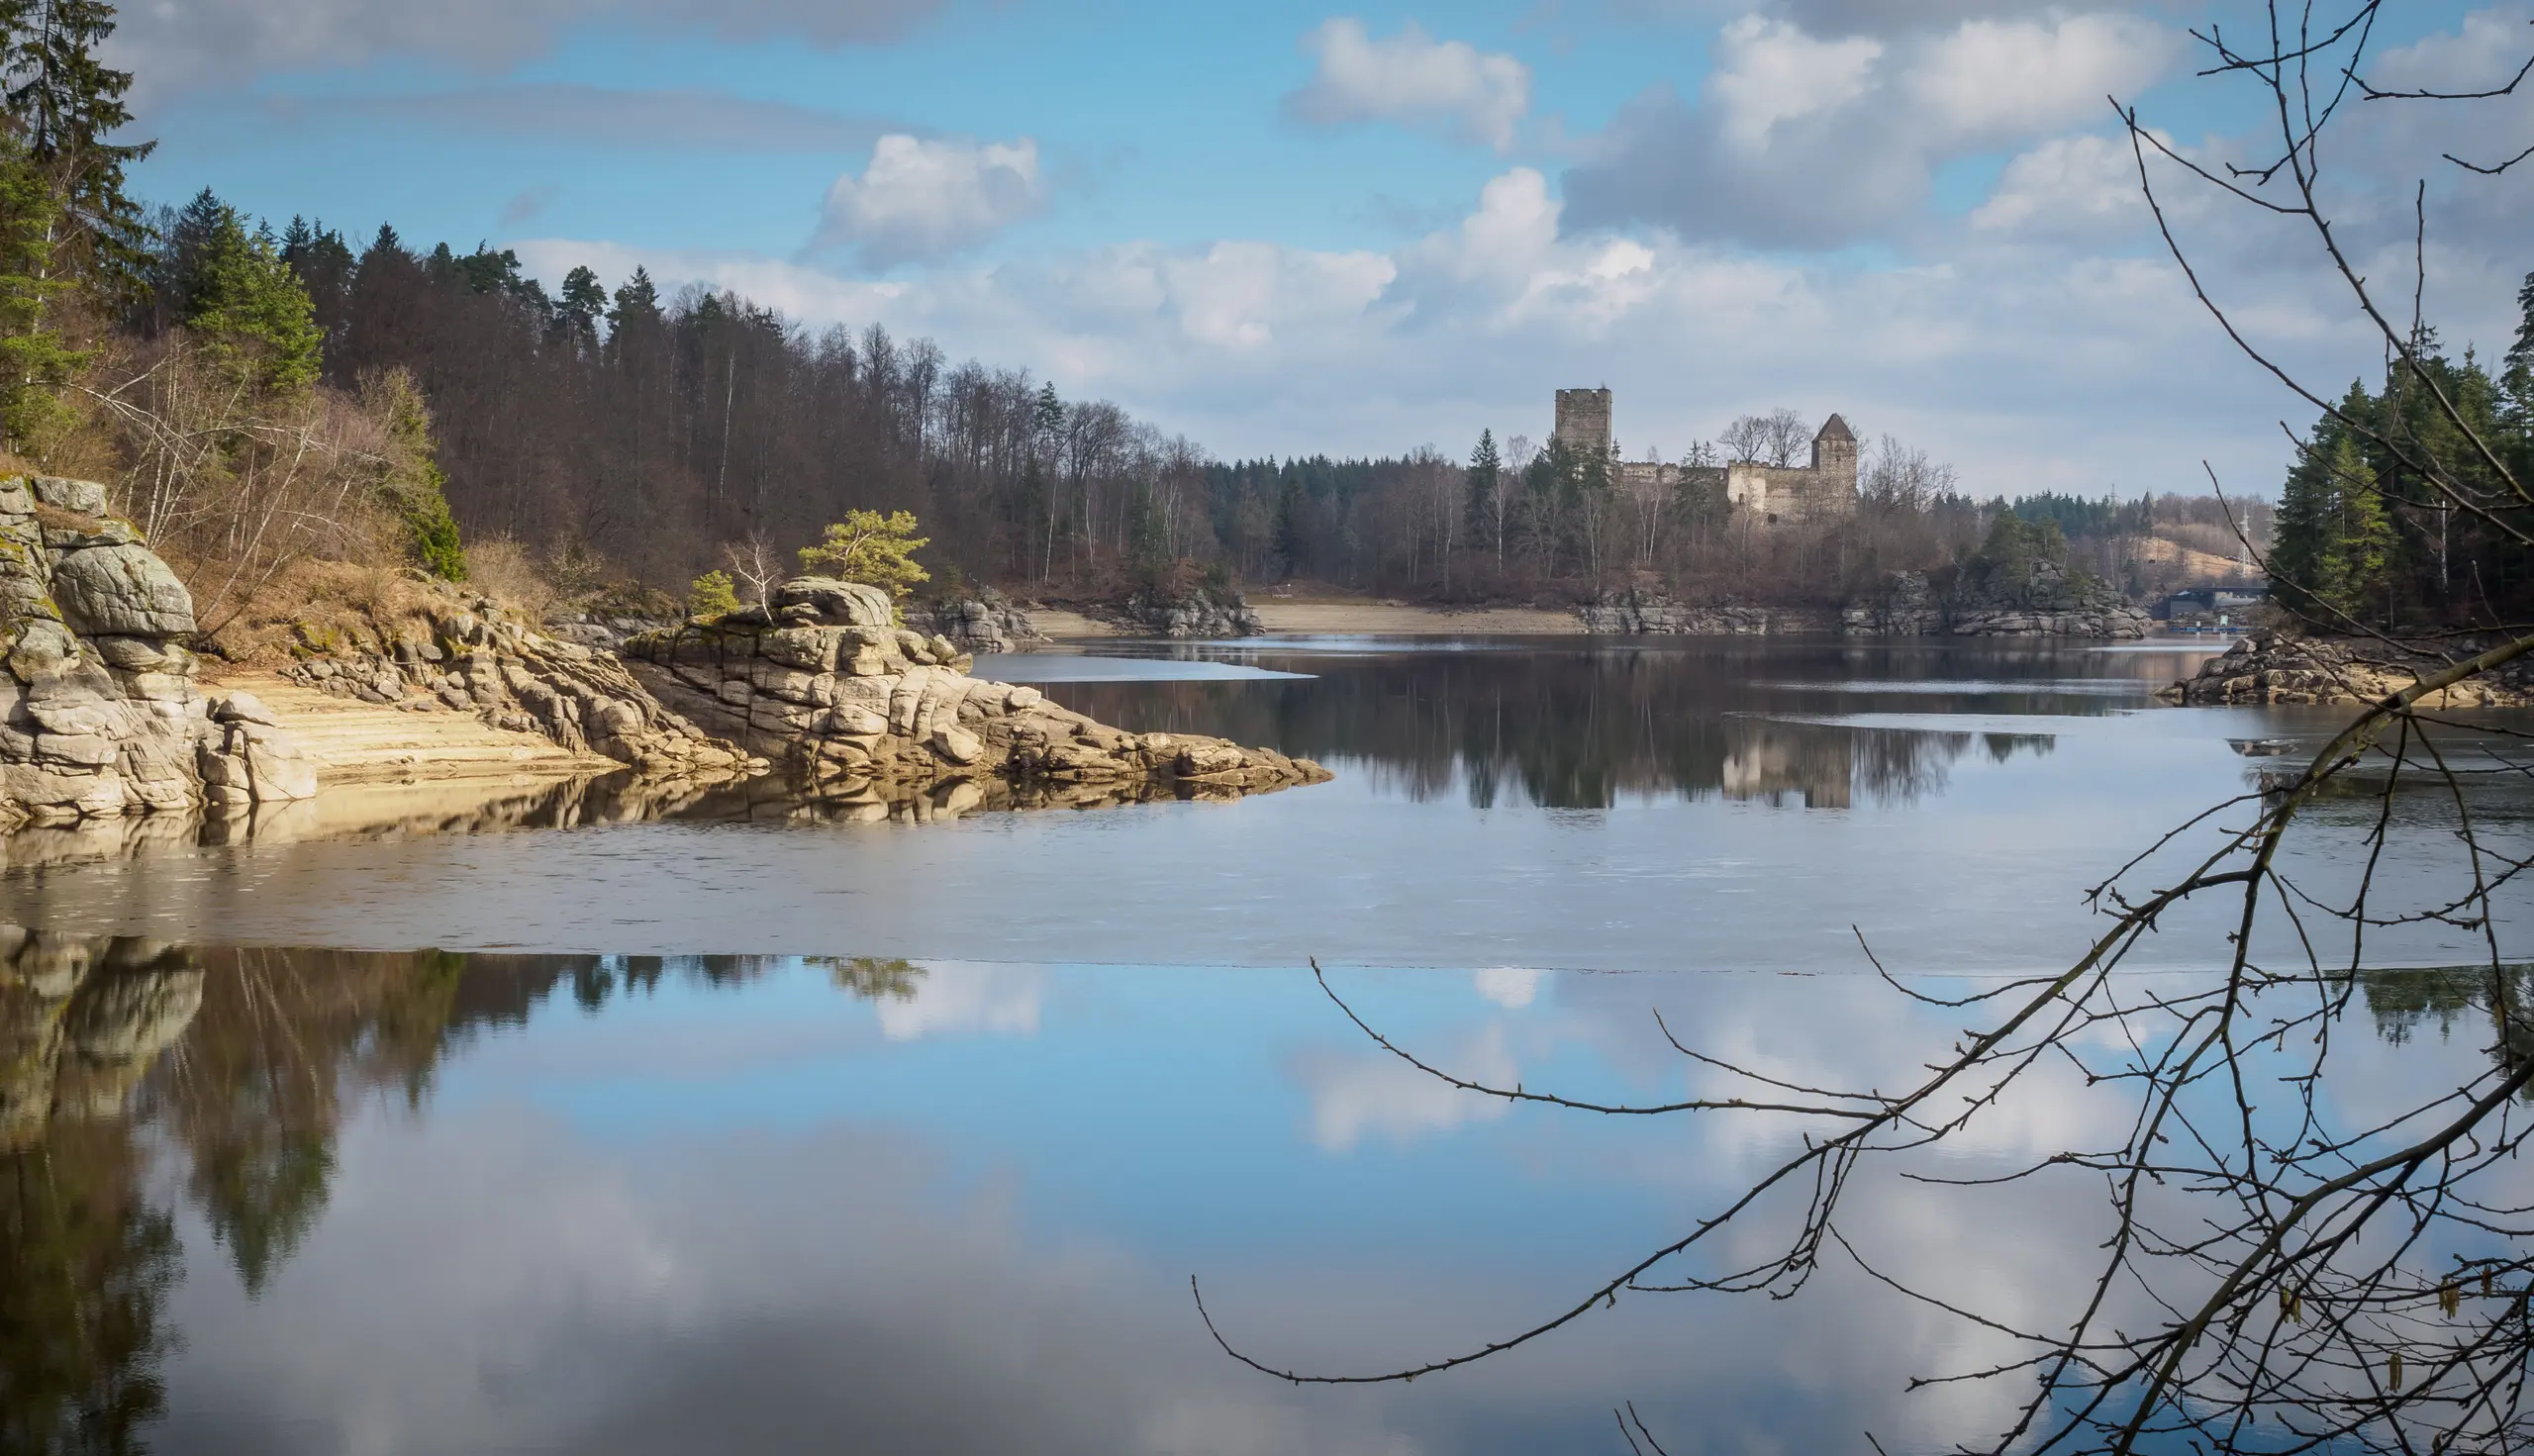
pixel 251 1061
pixel 87 1263
pixel 1579 727
pixel 2402 1003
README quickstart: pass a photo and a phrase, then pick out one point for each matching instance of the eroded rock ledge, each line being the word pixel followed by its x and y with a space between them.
pixel 2277 668
pixel 827 682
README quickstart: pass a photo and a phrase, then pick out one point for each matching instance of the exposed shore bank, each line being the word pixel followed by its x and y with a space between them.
pixel 106 712
pixel 2332 671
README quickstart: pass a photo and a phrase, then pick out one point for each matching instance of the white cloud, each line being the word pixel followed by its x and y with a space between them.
pixel 1805 139
pixel 2066 185
pixel 1994 78
pixel 928 198
pixel 1773 73
pixel 1445 86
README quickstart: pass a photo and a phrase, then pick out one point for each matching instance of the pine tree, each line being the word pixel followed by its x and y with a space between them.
pixel 65 105
pixel 577 314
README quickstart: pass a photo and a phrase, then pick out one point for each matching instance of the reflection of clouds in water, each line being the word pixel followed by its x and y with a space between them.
pixel 725 1293
pixel 955 998
pixel 1355 1094
pixel 1510 987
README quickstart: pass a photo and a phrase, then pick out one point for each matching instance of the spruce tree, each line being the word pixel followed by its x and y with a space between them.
pixel 637 299
pixel 34 359
pixel 1486 472
pixel 249 306
pixel 65 106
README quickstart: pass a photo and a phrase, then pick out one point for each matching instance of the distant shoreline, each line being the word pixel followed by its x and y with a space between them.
pixel 1372 616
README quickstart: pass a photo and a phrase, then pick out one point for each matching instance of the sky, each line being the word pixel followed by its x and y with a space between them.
pixel 1281 229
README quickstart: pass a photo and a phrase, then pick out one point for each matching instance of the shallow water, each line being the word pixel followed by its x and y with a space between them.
pixel 727 1133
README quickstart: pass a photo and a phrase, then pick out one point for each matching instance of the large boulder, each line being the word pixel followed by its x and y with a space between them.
pixel 123 591
pixel 842 602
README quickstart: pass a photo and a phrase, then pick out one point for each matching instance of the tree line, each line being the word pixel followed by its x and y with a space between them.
pixel 2403 513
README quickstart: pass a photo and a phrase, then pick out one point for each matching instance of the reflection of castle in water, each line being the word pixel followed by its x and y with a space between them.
pixel 1585 728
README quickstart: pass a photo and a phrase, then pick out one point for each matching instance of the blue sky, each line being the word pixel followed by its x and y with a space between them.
pixel 1286 228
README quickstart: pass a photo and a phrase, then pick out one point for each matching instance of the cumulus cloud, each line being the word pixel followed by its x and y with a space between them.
pixel 1800 138
pixel 1449 88
pixel 927 199
pixel 1993 79
pixel 2066 186
pixel 177 47
pixel 1773 73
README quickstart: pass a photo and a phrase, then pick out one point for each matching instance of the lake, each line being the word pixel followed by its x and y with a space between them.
pixel 741 1125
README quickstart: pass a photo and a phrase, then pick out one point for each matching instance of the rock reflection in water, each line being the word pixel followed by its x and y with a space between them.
pixel 1579 728
pixel 364 811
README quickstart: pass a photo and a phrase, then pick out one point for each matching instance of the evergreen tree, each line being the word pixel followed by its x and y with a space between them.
pixel 324 264
pixel 872 548
pixel 64 105
pixel 637 299
pixel 414 482
pixel 249 307
pixel 577 314
pixel 34 359
pixel 1486 473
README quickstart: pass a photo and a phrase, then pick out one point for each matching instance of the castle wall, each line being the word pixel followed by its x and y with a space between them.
pixel 1784 494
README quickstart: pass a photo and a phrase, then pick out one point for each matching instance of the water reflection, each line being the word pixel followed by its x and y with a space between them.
pixel 1581 725
pixel 462 807
pixel 183 1123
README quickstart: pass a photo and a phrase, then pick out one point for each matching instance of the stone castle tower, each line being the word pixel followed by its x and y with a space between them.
pixel 1771 494
pixel 1584 421
pixel 1834 451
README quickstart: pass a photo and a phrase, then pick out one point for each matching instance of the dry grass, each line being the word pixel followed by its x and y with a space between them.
pixel 315 608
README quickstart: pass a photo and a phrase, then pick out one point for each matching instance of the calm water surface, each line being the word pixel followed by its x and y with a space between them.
pixel 757 1130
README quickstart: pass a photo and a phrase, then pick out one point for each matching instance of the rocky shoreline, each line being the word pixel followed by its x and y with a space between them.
pixel 2281 670
pixel 828 684
pixel 105 714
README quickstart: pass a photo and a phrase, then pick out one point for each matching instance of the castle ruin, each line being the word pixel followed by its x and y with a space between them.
pixel 1774 495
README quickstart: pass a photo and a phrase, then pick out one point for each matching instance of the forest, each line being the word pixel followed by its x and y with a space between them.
pixel 2369 539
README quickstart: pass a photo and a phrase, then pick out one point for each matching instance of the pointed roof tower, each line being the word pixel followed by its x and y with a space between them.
pixel 1835 429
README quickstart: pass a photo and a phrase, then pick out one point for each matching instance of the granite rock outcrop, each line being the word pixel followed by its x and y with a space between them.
pixel 474 657
pixel 2051 605
pixel 988 621
pixel 100 712
pixel 826 681
pixel 1645 614
pixel 1203 611
pixel 2277 668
